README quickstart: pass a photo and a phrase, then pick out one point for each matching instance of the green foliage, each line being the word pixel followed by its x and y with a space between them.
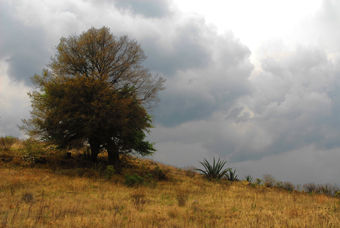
pixel 109 171
pixel 288 186
pixel 231 175
pixel 33 151
pixel 337 194
pixel 133 180
pixel 6 142
pixel 310 188
pixel 269 180
pixel 249 178
pixel 285 185
pixel 327 189
pixel 258 181
pixel 215 170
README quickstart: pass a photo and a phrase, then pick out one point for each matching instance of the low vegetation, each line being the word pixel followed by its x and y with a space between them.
pixel 57 190
pixel 214 170
pixel 7 142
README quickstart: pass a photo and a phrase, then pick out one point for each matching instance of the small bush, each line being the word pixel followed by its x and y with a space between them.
pixel 327 189
pixel 258 181
pixel 158 174
pixel 310 187
pixel 27 197
pixel 269 180
pixel 249 179
pixel 109 171
pixel 215 170
pixel 6 142
pixel 337 194
pixel 133 180
pixel 285 185
pixel 33 151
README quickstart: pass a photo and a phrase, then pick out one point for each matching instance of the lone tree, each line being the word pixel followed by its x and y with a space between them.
pixel 95 91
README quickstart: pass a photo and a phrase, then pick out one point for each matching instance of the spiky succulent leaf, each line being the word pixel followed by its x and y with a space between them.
pixel 215 170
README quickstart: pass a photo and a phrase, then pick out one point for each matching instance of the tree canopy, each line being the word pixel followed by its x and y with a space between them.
pixel 97 53
pixel 95 91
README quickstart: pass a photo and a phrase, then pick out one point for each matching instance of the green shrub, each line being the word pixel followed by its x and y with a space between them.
pixel 6 142
pixel 258 181
pixel 249 179
pixel 279 184
pixel 133 180
pixel 33 151
pixel 269 180
pixel 327 189
pixel 310 187
pixel 337 194
pixel 285 185
pixel 214 170
pixel 109 171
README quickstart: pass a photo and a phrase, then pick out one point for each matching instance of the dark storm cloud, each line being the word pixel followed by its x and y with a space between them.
pixel 214 104
pixel 185 48
pixel 22 46
pixel 147 8
pixel 206 72
pixel 290 119
pixel 295 104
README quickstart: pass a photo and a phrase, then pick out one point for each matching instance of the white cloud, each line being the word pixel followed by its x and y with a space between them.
pixel 13 102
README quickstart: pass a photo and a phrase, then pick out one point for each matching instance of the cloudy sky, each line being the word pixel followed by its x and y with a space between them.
pixel 253 82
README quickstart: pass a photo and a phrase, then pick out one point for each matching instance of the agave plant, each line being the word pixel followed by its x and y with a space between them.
pixel 215 170
pixel 231 175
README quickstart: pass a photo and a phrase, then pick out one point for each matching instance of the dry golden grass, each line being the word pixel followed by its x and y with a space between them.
pixel 43 197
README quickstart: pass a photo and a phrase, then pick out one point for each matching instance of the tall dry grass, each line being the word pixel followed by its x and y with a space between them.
pixel 82 197
pixel 38 198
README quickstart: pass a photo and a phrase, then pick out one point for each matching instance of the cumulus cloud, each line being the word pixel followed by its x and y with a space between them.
pixel 147 8
pixel 304 165
pixel 277 117
pixel 195 91
pixel 23 46
pixel 327 23
pixel 295 99
pixel 287 126
pixel 13 102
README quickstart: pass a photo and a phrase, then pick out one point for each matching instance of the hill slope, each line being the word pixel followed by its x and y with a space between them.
pixel 69 196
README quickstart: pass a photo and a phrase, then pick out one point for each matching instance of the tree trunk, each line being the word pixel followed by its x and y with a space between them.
pixel 94 145
pixel 113 154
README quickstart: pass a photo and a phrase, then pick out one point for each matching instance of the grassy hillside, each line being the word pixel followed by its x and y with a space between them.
pixel 70 193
